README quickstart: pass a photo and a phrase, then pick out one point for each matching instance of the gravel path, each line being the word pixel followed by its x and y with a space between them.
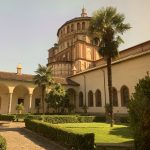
pixel 20 138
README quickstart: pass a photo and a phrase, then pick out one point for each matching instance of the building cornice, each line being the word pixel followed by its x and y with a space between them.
pixel 114 62
pixel 74 20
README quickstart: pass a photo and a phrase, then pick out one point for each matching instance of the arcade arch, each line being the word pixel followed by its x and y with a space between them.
pixel 4 98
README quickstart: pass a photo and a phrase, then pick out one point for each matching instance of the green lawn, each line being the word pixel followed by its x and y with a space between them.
pixel 103 132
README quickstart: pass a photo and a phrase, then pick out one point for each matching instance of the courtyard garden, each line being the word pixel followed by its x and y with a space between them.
pixel 83 131
pixel 102 131
pixel 77 131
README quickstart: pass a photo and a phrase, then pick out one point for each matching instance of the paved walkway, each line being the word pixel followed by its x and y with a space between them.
pixel 20 138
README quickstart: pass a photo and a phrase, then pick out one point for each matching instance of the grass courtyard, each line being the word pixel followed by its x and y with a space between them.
pixel 103 132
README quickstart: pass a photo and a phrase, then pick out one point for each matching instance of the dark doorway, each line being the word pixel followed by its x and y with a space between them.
pixel 20 100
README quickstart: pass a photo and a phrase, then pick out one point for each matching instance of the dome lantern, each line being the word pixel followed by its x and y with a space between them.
pixel 84 12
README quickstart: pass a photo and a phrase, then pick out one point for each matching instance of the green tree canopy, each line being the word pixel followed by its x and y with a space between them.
pixel 43 79
pixel 106 28
pixel 139 112
pixel 57 98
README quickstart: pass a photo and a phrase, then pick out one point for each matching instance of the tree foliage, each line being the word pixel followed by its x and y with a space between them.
pixel 43 79
pixel 57 98
pixel 106 26
pixel 20 107
pixel 139 112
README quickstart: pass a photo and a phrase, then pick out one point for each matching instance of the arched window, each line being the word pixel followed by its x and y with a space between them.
pixel 115 97
pixel 72 96
pixel 0 102
pixel 80 99
pixel 90 99
pixel 124 96
pixel 83 25
pixel 72 27
pixel 78 26
pixel 68 29
pixel 98 98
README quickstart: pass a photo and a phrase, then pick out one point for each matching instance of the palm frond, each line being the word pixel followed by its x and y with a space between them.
pixel 106 26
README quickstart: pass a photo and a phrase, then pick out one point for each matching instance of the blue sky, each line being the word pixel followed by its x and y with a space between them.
pixel 28 27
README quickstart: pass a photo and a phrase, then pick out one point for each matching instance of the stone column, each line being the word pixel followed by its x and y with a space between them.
pixel 119 98
pixel 30 89
pixel 30 102
pixel 94 100
pixel 10 103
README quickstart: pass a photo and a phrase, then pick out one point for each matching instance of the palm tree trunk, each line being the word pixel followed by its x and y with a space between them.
pixel 109 73
pixel 43 97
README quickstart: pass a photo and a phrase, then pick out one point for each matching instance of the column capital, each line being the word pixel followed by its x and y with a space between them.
pixel 11 89
pixel 30 91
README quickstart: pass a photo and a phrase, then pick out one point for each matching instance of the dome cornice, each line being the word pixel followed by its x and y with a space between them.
pixel 74 20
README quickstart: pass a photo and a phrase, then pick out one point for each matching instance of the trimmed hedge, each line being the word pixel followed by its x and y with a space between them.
pixel 7 117
pixel 60 119
pixel 67 118
pixel 21 117
pixel 73 140
pixel 121 118
pixel 3 145
pixel 13 117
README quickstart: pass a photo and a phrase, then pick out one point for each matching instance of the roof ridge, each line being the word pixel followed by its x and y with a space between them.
pixel 15 73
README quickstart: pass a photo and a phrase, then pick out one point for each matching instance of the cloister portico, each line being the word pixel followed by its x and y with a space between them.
pixel 13 93
pixel 16 88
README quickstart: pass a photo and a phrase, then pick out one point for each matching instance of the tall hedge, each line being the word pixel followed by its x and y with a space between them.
pixel 74 140
pixel 139 112
pixel 3 145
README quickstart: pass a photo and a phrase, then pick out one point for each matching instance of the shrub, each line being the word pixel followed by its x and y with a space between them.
pixel 7 117
pixel 19 108
pixel 121 118
pixel 74 140
pixel 3 145
pixel 139 112
pixel 91 118
pixel 60 119
pixel 21 117
pixel 124 119
pixel 35 117
pixel 67 118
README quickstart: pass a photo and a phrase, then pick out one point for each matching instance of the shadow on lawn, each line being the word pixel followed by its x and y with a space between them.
pixel 124 132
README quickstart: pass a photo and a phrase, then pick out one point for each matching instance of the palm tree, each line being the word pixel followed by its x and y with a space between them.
pixel 43 79
pixel 105 29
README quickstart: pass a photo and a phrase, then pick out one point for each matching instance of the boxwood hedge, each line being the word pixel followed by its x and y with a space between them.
pixel 3 145
pixel 73 140
pixel 67 118
pixel 7 117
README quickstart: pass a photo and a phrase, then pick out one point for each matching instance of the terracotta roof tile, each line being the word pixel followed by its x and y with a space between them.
pixel 65 81
pixel 29 78
pixel 15 76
